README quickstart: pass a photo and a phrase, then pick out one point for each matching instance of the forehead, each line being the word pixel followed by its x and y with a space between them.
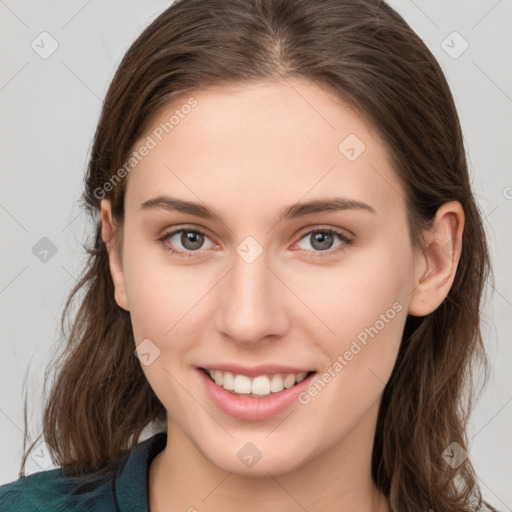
pixel 257 144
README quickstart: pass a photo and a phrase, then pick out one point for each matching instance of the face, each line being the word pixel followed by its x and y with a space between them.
pixel 245 285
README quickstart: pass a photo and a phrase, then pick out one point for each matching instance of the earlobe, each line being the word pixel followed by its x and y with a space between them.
pixel 436 268
pixel 115 260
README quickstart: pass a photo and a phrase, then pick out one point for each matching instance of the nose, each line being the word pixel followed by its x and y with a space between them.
pixel 252 303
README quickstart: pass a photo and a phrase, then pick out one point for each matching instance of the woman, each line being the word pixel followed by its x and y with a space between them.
pixel 287 270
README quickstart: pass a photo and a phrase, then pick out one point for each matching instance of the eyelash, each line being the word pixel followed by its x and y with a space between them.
pixel 316 254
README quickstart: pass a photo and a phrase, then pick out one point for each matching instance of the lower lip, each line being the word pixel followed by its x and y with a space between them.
pixel 253 409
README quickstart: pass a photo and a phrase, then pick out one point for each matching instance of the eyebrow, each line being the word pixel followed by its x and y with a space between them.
pixel 290 212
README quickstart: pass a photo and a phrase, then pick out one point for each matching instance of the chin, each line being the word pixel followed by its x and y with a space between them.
pixel 258 459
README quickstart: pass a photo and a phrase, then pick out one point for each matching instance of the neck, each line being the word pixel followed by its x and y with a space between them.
pixel 183 479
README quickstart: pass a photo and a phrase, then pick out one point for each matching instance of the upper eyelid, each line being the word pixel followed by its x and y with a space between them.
pixel 339 231
pixel 174 231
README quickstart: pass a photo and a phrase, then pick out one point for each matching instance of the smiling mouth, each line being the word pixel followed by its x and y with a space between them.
pixel 255 387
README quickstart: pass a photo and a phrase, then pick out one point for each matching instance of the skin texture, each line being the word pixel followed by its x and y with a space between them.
pixel 247 152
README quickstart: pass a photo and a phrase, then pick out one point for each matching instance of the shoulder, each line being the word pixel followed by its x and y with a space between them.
pixel 122 489
pixel 55 492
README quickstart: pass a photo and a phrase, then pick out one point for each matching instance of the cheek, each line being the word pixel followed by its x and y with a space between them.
pixel 364 304
pixel 366 308
pixel 367 291
pixel 168 306
pixel 159 292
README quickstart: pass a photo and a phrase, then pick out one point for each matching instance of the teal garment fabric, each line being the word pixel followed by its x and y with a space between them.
pixel 123 489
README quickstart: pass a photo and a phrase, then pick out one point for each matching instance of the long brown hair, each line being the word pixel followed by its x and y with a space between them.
pixel 368 55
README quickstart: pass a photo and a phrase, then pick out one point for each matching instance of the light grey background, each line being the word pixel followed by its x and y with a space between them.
pixel 49 110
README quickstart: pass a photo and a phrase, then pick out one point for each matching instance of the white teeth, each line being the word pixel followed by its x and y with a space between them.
pixel 289 381
pixel 242 384
pixel 262 385
pixel 276 384
pixel 229 381
pixel 301 376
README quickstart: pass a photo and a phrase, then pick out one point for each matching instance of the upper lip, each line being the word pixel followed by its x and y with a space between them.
pixel 254 371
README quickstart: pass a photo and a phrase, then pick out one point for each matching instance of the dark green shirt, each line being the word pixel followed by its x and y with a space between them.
pixel 124 489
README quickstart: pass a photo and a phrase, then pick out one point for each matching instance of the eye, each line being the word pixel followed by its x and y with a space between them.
pixel 322 241
pixel 187 241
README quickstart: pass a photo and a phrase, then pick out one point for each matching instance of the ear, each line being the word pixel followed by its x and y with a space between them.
pixel 437 263
pixel 115 260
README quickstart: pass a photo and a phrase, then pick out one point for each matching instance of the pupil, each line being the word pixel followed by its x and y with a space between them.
pixel 324 239
pixel 191 240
